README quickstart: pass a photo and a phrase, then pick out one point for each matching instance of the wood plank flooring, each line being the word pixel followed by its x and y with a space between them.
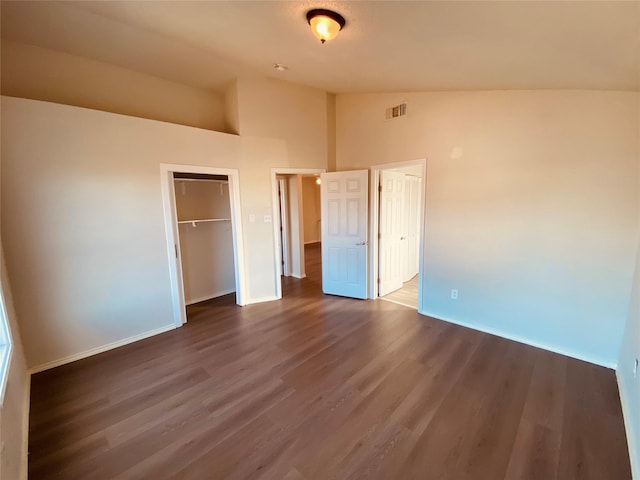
pixel 407 295
pixel 321 387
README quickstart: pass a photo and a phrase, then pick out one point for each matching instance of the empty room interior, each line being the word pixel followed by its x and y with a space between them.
pixel 320 240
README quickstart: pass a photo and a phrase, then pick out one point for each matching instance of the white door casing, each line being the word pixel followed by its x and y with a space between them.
pixel 344 201
pixel 293 220
pixel 173 239
pixel 391 266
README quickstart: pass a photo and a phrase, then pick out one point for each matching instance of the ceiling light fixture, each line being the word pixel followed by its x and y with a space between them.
pixel 325 24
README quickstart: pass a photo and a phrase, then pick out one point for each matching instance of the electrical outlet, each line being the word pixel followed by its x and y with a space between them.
pixel 635 367
pixel 454 294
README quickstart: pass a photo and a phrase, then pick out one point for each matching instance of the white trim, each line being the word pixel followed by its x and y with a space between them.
pixel 173 237
pixel 299 276
pixel 297 171
pixel 173 244
pixel 101 349
pixel 6 353
pixel 6 346
pixel 516 338
pixel 209 297
pixel 632 435
pixel 26 410
pixel 373 223
pixel 262 300
pixel 276 216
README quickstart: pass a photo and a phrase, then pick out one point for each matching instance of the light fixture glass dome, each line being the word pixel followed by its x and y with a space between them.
pixel 325 24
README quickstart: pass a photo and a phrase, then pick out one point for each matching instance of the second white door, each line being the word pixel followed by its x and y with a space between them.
pixel 391 266
pixel 344 201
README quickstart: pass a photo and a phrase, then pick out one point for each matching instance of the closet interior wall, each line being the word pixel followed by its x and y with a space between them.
pixel 311 206
pixel 206 240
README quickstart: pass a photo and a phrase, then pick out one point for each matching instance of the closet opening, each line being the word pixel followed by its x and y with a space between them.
pixel 202 216
pixel 204 233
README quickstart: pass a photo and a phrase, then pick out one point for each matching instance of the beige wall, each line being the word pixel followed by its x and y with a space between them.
pixel 43 74
pixel 83 224
pixel 331 132
pixel 297 114
pixel 531 210
pixel 311 206
pixel 231 120
pixel 14 412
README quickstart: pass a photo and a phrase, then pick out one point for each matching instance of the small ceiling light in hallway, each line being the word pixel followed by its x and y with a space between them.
pixel 325 24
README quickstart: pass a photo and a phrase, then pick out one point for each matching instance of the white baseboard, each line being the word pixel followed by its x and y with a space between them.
pixel 526 341
pixel 262 300
pixel 633 436
pixel 209 297
pixel 103 348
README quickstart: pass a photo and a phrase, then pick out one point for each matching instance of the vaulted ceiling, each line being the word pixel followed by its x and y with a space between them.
pixel 385 46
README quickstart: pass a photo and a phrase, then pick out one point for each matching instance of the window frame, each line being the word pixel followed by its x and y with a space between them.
pixel 6 345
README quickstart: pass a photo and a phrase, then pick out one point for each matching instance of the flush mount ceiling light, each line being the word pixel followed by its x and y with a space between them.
pixel 325 24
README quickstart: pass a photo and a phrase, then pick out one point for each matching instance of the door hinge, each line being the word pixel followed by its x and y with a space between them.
pixel 175 247
pixel 380 188
pixel 378 280
pixel 379 235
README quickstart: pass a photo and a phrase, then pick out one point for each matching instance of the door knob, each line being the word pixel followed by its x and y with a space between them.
pixel 403 238
pixel 361 243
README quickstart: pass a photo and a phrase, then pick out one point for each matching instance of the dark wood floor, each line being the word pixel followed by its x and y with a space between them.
pixel 320 387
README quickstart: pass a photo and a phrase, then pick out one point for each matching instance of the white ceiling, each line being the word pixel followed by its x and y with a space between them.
pixel 385 45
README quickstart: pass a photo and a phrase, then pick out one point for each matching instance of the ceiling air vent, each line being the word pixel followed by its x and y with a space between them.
pixel 395 112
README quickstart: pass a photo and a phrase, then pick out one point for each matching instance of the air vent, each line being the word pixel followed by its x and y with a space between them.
pixel 397 111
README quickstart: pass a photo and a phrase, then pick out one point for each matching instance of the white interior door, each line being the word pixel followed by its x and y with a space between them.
pixel 344 202
pixel 412 229
pixel 391 268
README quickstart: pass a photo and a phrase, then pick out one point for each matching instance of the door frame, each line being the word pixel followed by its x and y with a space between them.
pixel 374 205
pixel 275 203
pixel 173 238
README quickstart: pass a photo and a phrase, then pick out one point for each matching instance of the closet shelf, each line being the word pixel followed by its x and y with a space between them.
pixel 201 220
